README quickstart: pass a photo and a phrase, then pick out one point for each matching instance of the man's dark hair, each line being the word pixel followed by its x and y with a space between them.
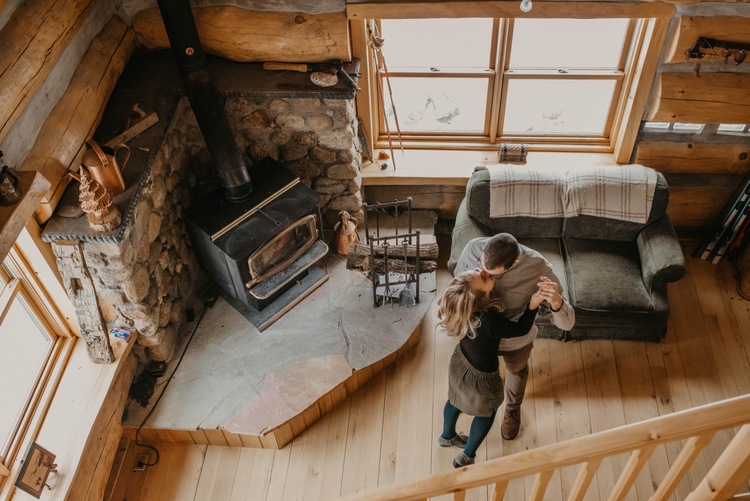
pixel 501 250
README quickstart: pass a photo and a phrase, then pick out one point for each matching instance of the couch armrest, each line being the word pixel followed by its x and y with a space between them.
pixel 464 230
pixel 662 260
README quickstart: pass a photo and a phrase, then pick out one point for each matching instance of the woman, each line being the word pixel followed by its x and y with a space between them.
pixel 467 313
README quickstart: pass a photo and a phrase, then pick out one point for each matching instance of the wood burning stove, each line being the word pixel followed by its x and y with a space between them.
pixel 261 251
pixel 258 240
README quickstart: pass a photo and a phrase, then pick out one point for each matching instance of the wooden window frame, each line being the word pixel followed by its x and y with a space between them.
pixel 22 280
pixel 651 22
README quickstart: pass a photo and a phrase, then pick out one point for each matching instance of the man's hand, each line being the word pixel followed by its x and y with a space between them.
pixel 548 290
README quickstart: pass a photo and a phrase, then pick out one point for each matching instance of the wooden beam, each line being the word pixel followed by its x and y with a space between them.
pixel 710 98
pixel 32 41
pixel 133 131
pixel 691 28
pixel 564 10
pixel 61 141
pixel 245 36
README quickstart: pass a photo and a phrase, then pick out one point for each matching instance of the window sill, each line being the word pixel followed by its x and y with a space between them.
pixel 453 168
pixel 66 427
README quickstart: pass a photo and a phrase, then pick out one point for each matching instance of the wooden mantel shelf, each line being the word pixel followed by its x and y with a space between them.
pixel 13 218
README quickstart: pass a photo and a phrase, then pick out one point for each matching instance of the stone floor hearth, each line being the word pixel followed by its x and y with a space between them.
pixel 233 385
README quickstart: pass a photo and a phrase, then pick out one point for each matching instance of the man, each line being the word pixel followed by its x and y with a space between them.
pixel 518 272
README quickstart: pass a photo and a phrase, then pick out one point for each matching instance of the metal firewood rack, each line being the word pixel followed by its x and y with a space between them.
pixel 373 214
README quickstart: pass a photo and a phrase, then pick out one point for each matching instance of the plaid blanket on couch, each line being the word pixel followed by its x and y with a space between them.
pixel 618 192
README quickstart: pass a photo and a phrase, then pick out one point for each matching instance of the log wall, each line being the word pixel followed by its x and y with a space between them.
pixel 702 170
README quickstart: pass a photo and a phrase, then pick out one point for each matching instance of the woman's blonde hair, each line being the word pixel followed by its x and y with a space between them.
pixel 457 305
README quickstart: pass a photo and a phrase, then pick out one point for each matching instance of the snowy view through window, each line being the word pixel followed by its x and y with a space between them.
pixel 561 75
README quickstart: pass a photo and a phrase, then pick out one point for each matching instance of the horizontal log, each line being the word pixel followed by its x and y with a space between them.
pixel 246 36
pixel 394 265
pixel 695 208
pixel 32 41
pixel 712 98
pixel 693 157
pixel 61 141
pixel 691 28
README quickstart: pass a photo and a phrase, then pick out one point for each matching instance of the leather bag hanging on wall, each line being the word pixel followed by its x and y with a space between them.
pixel 104 167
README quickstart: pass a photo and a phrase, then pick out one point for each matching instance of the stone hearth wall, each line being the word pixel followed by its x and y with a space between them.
pixel 145 279
pixel 316 138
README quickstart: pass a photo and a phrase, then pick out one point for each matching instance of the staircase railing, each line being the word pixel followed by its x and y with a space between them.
pixel 697 426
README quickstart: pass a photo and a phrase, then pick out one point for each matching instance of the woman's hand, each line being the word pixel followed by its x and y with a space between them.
pixel 537 298
pixel 551 293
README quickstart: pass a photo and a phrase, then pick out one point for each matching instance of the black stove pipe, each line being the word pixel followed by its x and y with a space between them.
pixel 191 61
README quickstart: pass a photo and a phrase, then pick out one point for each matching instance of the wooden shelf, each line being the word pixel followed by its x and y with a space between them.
pixel 13 218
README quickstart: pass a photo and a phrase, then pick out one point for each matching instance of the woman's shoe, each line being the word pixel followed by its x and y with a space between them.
pixel 456 441
pixel 463 460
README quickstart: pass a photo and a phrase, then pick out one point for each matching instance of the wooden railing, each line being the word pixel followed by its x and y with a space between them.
pixel 697 426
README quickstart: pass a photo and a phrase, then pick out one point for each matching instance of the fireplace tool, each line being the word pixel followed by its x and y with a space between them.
pixel 406 296
pixel 380 246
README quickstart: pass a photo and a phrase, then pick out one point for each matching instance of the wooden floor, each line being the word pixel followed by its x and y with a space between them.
pixel 387 431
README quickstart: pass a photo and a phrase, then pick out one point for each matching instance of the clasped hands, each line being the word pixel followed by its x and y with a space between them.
pixel 547 291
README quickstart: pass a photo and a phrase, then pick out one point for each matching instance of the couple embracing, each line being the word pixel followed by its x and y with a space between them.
pixel 489 307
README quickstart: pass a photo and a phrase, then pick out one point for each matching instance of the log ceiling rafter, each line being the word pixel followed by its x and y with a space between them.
pixel 33 40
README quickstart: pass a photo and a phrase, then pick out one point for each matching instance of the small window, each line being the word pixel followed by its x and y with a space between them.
pixel 679 127
pixel 673 127
pixel 733 128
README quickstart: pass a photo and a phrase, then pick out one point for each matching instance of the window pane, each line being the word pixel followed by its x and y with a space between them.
pixel 426 43
pixel 25 347
pixel 732 127
pixel 437 104
pixel 680 127
pixel 657 126
pixel 567 43
pixel 557 106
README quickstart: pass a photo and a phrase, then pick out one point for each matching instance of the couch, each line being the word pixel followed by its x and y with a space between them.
pixel 614 272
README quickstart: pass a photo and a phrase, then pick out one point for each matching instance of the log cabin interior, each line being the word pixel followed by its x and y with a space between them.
pixel 136 368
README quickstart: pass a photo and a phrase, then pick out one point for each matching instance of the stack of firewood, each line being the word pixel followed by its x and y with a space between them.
pixel 401 258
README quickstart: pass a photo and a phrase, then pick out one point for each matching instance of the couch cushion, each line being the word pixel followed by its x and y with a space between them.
pixel 605 276
pixel 551 249
pixel 478 207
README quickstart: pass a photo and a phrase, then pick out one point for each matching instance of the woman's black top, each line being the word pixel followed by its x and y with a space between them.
pixel 481 352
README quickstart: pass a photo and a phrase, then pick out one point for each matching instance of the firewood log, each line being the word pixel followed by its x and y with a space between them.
pixel 359 257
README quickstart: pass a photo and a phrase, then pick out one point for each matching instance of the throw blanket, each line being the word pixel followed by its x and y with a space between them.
pixel 623 192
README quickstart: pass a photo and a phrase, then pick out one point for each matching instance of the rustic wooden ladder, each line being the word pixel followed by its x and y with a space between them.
pixel 696 426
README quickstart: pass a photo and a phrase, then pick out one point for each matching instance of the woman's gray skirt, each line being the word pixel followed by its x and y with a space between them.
pixel 474 392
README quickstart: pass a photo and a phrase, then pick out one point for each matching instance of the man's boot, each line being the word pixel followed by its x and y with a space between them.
pixel 511 423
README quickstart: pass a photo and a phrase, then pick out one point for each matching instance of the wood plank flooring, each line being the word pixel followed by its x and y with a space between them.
pixel 387 431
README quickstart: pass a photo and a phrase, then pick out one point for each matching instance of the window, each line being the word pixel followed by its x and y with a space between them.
pixel 489 80
pixel 33 338
pixel 673 127
pixel 742 129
